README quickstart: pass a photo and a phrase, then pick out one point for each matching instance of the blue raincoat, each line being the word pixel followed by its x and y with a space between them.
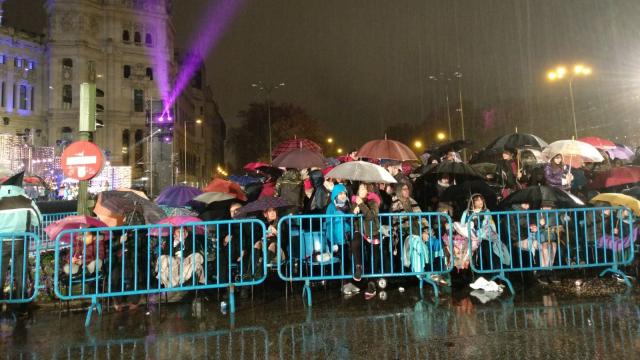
pixel 336 227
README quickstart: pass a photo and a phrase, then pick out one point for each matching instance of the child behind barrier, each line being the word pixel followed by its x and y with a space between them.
pixel 177 266
pixel 86 252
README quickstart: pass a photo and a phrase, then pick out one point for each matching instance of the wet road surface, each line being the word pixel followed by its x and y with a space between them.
pixel 536 324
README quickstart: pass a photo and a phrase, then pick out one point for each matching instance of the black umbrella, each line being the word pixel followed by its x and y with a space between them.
pixel 517 140
pixel 461 193
pixel 535 195
pixel 486 156
pixel 273 172
pixel 131 206
pixel 453 145
pixel 460 171
pixel 264 203
pixel 634 191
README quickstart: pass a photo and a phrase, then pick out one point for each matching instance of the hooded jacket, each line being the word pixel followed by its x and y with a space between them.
pixel 368 221
pixel 289 187
pixel 320 196
pixel 336 228
pixel 556 175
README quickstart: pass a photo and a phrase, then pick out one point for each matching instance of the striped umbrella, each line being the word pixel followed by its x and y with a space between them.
pixel 295 143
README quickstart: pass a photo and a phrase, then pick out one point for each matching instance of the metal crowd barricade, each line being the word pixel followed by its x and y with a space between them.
pixel 18 280
pixel 328 247
pixel 126 261
pixel 558 239
pixel 47 244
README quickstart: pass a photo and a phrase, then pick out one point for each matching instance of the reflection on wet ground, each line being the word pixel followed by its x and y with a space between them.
pixel 402 327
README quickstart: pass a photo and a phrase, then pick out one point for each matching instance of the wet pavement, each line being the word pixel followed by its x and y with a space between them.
pixel 540 323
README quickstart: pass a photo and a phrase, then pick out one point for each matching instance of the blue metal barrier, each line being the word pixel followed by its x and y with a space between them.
pixel 542 240
pixel 47 244
pixel 152 259
pixel 330 247
pixel 18 284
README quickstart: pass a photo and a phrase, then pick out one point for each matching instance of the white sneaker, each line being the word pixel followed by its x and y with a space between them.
pixel 480 283
pixel 325 257
pixel 350 289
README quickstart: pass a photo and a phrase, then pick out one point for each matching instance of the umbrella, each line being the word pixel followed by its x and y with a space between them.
pixel 299 159
pixel 264 203
pixel 517 140
pixel 456 145
pixel 72 222
pixel 253 166
pixel 573 150
pixel 535 195
pixel 616 199
pixel 617 176
pixel 485 168
pixel 177 221
pixel 457 169
pixel 18 213
pixel 129 204
pixel 461 193
pixel 599 143
pixel 178 211
pixel 213 196
pixel 331 161
pixel 272 172
pixel 361 171
pixel 177 196
pixel 224 186
pixel 486 156
pixel 293 144
pixel 243 180
pixel 387 149
pixel 621 152
pixel 634 191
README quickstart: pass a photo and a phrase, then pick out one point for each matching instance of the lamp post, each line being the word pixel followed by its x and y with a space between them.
pixel 561 72
pixel 268 89
pixel 197 122
pixel 444 79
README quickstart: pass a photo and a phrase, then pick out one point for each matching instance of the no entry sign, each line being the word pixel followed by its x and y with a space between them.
pixel 82 160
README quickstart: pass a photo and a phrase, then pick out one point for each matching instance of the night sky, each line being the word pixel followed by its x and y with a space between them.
pixel 362 65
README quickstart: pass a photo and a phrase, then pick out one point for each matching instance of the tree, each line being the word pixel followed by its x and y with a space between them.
pixel 250 141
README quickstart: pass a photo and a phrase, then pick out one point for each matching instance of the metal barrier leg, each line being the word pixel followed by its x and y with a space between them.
pixel 615 270
pixel 501 276
pixel 94 306
pixel 307 290
pixel 426 279
pixel 232 299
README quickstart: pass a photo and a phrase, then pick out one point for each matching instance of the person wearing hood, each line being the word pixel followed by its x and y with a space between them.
pixel 557 174
pixel 508 172
pixel 365 205
pixel 319 199
pixel 290 187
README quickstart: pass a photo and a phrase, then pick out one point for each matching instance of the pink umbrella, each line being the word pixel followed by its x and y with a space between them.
pixel 177 221
pixel 295 143
pixel 70 223
pixel 599 143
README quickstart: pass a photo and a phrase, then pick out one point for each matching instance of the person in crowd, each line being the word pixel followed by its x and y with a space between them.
pixel 181 260
pixel 291 188
pixel 88 253
pixel 525 247
pixel 319 197
pixel 557 174
pixel 270 218
pixel 366 235
pixel 547 231
pixel 452 155
pixel 235 246
pixel 508 172
pixel 620 234
pixel 386 193
pixel 482 231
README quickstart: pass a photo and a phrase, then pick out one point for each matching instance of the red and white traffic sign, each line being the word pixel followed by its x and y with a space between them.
pixel 82 160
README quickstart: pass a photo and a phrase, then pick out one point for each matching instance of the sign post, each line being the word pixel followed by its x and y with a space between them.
pixel 82 160
pixel 87 125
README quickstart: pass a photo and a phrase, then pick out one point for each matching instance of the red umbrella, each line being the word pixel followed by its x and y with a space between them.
pixel 293 144
pixel 69 223
pixel 253 166
pixel 224 186
pixel 387 149
pixel 599 143
pixel 299 159
pixel 616 177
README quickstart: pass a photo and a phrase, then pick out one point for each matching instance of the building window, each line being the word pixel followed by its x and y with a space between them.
pixel 31 65
pixel 67 134
pixel 148 39
pixel 139 155
pixel 125 36
pixel 125 146
pixel 137 38
pixel 23 97
pixel 149 73
pixel 32 98
pixel 15 96
pixel 66 97
pixel 2 94
pixel 126 71
pixel 138 100
pixel 17 62
pixel 2 59
pixel 67 63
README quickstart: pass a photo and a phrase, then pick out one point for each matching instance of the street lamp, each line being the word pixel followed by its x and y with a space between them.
pixel 339 151
pixel 330 140
pixel 560 73
pixel 417 144
pixel 197 122
pixel 441 136
pixel 268 89
pixel 445 78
